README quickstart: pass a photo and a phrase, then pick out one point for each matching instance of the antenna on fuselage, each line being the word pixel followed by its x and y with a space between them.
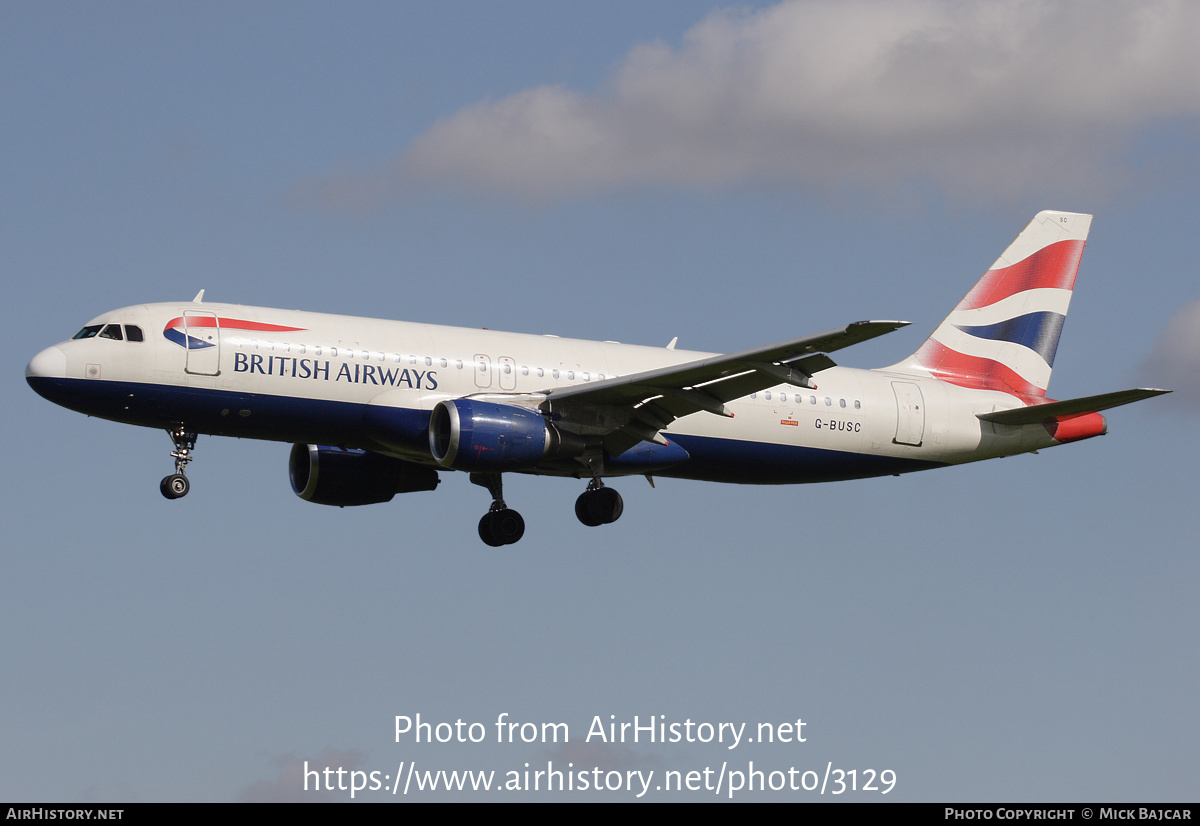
pixel 671 346
pixel 199 297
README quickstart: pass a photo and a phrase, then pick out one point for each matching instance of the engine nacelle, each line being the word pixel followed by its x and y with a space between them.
pixel 335 476
pixel 466 434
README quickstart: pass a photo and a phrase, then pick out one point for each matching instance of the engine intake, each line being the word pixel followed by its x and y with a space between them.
pixel 466 434
pixel 336 476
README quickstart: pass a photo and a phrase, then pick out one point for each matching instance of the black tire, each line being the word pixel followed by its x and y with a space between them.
pixel 583 509
pixel 174 487
pixel 487 532
pixel 508 526
pixel 608 505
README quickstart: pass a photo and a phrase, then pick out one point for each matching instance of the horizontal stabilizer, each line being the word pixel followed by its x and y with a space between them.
pixel 1037 413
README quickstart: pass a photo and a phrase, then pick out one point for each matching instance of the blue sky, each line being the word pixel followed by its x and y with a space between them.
pixel 1015 630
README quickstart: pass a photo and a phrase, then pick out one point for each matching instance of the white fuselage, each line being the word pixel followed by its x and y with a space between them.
pixel 371 384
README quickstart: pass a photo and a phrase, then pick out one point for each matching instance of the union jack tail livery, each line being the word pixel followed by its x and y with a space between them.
pixel 1003 334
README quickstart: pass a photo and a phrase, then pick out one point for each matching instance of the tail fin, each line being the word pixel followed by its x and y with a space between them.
pixel 1004 333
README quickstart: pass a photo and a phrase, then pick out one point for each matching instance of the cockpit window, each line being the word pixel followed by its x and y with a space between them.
pixel 112 331
pixel 88 332
pixel 133 333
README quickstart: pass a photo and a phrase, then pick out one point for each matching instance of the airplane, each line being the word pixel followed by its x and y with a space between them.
pixel 375 408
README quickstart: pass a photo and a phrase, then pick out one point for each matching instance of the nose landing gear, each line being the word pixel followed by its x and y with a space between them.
pixel 177 485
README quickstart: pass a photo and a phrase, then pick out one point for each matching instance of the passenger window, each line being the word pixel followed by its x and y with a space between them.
pixel 767 395
pixel 556 373
pixel 133 333
pixel 112 331
pixel 841 402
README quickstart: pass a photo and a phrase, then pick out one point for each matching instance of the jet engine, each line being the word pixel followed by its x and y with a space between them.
pixel 336 476
pixel 478 436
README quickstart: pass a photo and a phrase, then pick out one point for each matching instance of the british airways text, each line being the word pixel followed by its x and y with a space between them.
pixel 322 369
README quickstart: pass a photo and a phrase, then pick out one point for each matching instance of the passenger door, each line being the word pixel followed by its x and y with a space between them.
pixel 202 335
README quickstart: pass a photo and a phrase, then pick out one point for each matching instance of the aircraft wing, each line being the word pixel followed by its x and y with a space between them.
pixel 629 409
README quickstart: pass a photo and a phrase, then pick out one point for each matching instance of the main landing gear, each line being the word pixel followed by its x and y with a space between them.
pixel 177 485
pixel 501 525
pixel 598 505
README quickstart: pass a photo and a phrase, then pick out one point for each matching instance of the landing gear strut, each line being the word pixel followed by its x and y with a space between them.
pixel 176 486
pixel 501 525
pixel 598 505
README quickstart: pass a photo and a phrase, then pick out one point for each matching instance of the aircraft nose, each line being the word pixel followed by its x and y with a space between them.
pixel 51 363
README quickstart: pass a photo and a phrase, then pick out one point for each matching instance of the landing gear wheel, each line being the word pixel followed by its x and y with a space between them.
pixel 508 525
pixel 599 506
pixel 177 486
pixel 501 527
pixel 610 504
pixel 486 533
pixel 583 510
pixel 174 487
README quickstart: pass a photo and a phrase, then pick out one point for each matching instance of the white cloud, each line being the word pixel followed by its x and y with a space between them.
pixel 1174 363
pixel 984 99
pixel 288 784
